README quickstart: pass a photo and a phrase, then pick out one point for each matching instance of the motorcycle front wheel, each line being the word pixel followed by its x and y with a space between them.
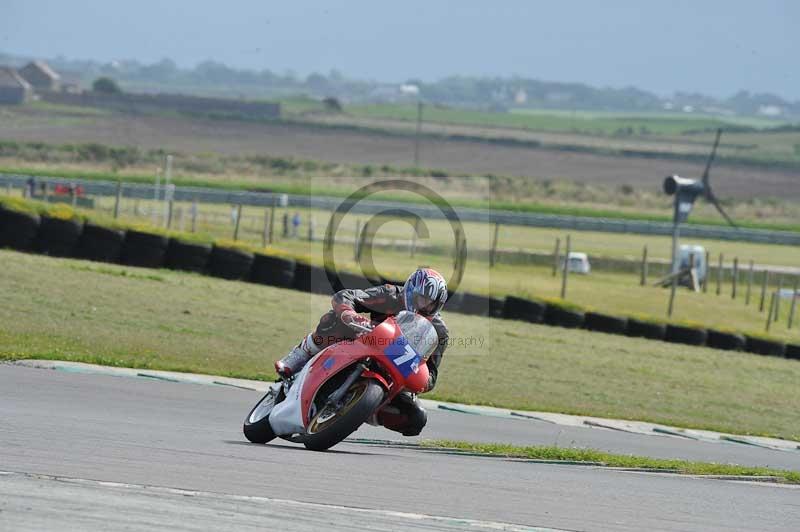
pixel 330 426
pixel 256 426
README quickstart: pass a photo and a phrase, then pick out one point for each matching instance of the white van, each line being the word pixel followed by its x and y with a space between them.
pixel 578 262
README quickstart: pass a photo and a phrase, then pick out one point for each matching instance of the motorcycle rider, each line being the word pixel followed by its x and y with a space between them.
pixel 424 292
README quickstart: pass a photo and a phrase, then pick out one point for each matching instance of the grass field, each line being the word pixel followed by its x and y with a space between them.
pixel 74 310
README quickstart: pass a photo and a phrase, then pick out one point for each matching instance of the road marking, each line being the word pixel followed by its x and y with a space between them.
pixel 461 523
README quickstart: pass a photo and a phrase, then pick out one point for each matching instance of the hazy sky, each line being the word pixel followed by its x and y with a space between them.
pixel 712 46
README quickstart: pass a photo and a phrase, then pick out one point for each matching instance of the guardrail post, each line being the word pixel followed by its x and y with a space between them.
pixel 719 275
pixel 193 212
pixel 357 239
pixel 794 305
pixel 735 276
pixel 705 277
pixel 272 219
pixel 170 207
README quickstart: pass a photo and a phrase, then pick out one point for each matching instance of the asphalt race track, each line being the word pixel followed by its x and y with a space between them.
pixel 97 452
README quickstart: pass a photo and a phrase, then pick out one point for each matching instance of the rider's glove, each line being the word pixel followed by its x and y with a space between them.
pixel 354 320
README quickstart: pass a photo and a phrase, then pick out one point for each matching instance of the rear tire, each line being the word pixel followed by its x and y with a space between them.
pixel 260 431
pixel 346 423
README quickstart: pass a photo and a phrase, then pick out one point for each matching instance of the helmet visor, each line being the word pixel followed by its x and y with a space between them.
pixel 424 305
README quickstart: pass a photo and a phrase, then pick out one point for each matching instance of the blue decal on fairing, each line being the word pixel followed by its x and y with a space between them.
pixel 328 364
pixel 403 356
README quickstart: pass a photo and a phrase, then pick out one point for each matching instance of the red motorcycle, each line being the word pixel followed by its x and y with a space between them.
pixel 345 384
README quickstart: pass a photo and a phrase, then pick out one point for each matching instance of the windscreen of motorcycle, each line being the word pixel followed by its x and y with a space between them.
pixel 419 333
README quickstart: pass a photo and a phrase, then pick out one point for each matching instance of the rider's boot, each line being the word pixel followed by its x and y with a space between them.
pixel 297 357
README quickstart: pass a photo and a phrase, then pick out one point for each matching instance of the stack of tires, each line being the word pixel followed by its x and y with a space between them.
pixel 18 229
pixel 563 316
pixel 146 250
pixel 273 271
pixel 596 321
pixel 187 256
pixel 58 237
pixel 646 329
pixel 101 244
pixel 517 308
pixel 230 263
pixel 728 341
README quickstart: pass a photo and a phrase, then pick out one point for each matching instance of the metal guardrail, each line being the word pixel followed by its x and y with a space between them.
pixel 576 223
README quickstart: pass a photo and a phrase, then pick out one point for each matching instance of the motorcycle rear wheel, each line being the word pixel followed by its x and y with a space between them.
pixel 327 429
pixel 256 426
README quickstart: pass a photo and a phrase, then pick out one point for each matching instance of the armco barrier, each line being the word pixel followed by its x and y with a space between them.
pixel 146 249
pixel 582 223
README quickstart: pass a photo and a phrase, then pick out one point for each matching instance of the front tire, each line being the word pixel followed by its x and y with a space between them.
pixel 256 425
pixel 362 399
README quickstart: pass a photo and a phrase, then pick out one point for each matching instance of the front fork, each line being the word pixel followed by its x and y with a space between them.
pixel 335 398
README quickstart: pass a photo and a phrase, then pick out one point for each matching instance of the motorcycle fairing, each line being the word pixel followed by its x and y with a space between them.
pixel 286 417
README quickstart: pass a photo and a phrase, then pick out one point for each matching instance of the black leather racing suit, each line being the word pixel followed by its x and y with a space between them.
pixel 382 302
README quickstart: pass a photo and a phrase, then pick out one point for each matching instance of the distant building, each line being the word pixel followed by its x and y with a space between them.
pixel 41 76
pixel 13 88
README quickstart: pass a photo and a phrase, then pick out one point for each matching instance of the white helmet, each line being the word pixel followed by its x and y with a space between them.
pixel 425 292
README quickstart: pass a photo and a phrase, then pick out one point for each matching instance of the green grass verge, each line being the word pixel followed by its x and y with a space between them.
pixel 306 188
pixel 591 456
pixel 66 309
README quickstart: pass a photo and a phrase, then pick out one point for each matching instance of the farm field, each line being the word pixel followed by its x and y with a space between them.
pixel 348 145
pixel 74 310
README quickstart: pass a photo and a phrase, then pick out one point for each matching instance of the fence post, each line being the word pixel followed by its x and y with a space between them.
pixel 170 206
pixel 265 232
pixel 238 221
pixel 771 308
pixel 735 276
pixel 794 305
pixel 643 280
pixel 194 215
pixel 565 272
pixel 764 281
pixel 118 199
pixel 749 284
pixel 555 256
pixel 778 298
pixel 272 219
pixel 181 219
pixel 493 252
pixel 705 277
pixel 719 275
